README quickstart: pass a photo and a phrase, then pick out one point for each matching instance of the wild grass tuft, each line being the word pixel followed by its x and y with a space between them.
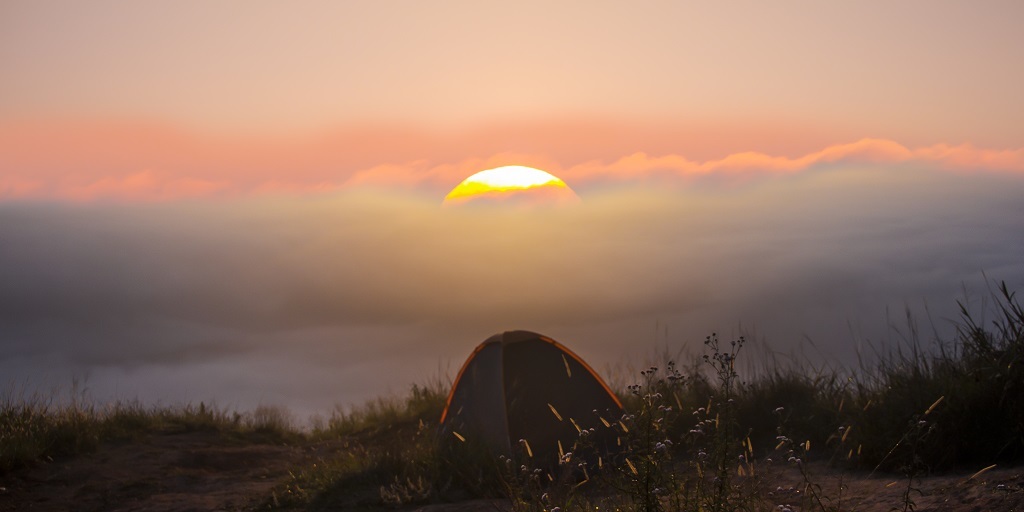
pixel 423 403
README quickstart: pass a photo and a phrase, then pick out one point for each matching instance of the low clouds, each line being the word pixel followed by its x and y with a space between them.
pixel 148 163
pixel 341 296
pixel 754 164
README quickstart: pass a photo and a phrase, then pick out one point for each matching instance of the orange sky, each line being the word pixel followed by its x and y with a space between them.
pixel 164 101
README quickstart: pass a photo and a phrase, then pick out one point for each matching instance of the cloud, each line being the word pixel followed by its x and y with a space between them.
pixel 352 290
pixel 153 260
pixel 677 169
pixel 142 186
pixel 641 166
pixel 150 163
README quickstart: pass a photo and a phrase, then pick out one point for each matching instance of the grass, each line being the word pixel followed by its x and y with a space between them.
pixel 423 403
pixel 698 434
pixel 37 428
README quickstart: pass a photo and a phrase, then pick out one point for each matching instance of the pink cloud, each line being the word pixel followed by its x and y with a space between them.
pixel 14 187
pixel 642 167
pixel 130 162
pixel 421 173
pixel 145 185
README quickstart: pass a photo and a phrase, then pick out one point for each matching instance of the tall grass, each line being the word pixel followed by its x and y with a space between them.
pixel 980 379
pixel 916 409
pixel 423 403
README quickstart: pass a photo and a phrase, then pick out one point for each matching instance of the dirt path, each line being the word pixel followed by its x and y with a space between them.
pixel 996 490
pixel 208 471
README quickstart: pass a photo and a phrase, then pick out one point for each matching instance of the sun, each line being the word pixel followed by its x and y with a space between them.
pixel 512 184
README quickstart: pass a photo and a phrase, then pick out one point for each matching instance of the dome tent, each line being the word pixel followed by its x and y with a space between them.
pixel 522 385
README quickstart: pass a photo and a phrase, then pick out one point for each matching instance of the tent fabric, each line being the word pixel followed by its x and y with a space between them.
pixel 523 385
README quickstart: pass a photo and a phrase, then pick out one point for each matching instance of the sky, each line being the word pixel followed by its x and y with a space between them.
pixel 240 201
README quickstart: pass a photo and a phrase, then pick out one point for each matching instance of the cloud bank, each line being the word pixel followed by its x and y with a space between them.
pixel 332 298
pixel 152 163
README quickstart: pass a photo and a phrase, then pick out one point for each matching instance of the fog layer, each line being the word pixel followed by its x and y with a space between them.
pixel 309 303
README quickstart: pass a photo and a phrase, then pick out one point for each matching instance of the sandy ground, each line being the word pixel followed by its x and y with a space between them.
pixel 205 471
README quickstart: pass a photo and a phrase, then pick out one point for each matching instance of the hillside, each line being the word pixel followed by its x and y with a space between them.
pixel 921 428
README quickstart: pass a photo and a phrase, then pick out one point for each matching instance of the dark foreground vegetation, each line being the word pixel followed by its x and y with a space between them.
pixel 698 433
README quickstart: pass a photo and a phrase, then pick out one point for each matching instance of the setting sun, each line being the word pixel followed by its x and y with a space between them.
pixel 512 183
